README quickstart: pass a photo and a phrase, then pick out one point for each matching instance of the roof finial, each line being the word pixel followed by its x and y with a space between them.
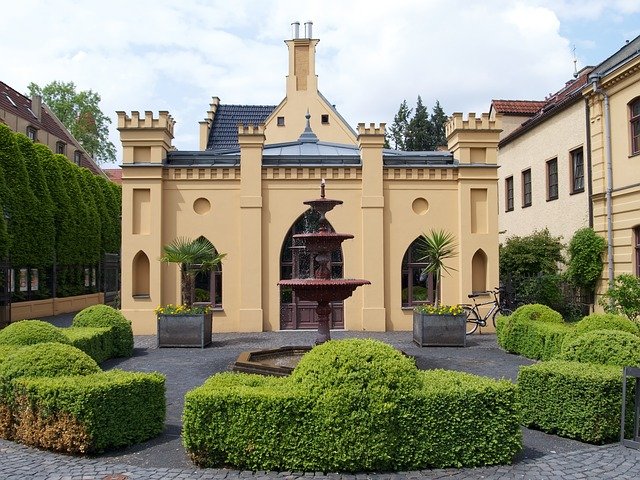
pixel 307 135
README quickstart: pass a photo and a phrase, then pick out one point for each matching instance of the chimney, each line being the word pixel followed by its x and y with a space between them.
pixel 308 27
pixel 295 29
pixel 36 106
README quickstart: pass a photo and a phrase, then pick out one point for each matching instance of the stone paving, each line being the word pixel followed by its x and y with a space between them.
pixel 163 458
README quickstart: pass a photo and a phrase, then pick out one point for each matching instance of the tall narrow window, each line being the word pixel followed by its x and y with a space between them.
pixel 61 147
pixel 31 133
pixel 417 288
pixel 552 179
pixel 635 126
pixel 526 188
pixel 636 236
pixel 577 171
pixel 508 193
pixel 77 157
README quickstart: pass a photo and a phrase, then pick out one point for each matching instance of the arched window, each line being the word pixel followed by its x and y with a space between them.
pixel 417 288
pixel 141 275
pixel 634 120
pixel 209 286
pixel 479 271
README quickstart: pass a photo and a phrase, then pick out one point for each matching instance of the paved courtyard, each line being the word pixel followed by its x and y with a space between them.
pixel 544 456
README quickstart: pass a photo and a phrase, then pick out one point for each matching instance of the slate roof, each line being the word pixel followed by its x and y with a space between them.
pixel 114 174
pixel 20 105
pixel 517 107
pixel 224 131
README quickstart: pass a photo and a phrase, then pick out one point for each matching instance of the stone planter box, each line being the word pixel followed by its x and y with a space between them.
pixel 439 330
pixel 185 330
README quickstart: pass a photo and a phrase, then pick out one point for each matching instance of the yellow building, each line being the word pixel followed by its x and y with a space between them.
pixel 613 99
pixel 244 191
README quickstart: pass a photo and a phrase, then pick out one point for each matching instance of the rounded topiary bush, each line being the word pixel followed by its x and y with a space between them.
pixel 106 316
pixel 47 360
pixel 30 332
pixel 356 364
pixel 606 321
pixel 607 347
pixel 538 313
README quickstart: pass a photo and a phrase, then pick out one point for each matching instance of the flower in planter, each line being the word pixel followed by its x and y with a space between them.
pixel 182 309
pixel 429 309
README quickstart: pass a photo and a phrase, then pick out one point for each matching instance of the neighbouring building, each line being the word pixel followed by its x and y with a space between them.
pixel 613 111
pixel 542 175
pixel 33 118
pixel 244 191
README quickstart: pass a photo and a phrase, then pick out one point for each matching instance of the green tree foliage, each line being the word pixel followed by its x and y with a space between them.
pixel 531 255
pixel 106 221
pixel 436 247
pixel 42 219
pixel 81 114
pixel 398 130
pixel 623 298
pixel 4 235
pixel 585 258
pixel 420 132
pixel 438 121
pixel 112 196
pixel 20 203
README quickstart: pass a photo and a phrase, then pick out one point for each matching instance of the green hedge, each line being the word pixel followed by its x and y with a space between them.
pixel 538 313
pixel 531 338
pixel 91 413
pixel 605 347
pixel 607 321
pixel 106 316
pixel 352 405
pixel 96 342
pixel 572 399
pixel 30 332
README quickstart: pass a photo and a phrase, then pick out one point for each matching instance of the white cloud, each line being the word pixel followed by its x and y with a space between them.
pixel 166 55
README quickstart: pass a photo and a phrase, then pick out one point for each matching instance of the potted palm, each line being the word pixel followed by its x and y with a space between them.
pixel 187 325
pixel 436 324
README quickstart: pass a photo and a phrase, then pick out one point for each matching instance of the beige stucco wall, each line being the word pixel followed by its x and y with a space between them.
pixel 622 86
pixel 554 138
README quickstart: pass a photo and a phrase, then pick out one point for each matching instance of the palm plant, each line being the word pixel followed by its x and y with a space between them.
pixel 193 256
pixel 436 247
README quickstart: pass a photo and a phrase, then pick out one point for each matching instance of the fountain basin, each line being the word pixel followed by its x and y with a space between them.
pixel 321 290
pixel 322 242
pixel 278 362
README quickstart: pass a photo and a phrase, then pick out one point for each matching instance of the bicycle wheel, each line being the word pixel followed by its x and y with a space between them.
pixel 472 320
pixel 503 312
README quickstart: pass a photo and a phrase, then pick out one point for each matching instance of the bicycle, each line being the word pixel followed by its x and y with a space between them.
pixel 475 319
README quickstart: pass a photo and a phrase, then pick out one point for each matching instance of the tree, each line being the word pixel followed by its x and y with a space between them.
pixel 192 256
pixel 438 121
pixel 623 298
pixel 436 247
pixel 419 129
pixel 81 114
pixel 398 130
pixel 537 253
pixel 585 258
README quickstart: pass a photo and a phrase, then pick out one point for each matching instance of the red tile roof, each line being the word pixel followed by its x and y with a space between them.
pixel 517 107
pixel 114 174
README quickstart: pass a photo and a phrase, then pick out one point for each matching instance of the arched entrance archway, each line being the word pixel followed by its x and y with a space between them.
pixel 296 314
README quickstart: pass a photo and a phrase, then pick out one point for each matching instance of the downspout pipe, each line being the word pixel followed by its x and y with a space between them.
pixel 609 188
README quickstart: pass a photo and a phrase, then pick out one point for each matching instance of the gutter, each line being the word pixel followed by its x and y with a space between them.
pixel 609 165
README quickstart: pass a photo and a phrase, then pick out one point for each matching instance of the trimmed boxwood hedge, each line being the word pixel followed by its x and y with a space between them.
pixel 54 396
pixel 91 413
pixel 538 313
pixel 606 321
pixel 571 399
pixel 352 405
pixel 106 316
pixel 96 342
pixel 605 347
pixel 532 339
pixel 30 332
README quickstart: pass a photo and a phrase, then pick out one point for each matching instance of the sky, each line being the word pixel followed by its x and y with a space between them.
pixel 175 55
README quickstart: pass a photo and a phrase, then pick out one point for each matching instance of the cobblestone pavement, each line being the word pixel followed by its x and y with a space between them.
pixel 543 457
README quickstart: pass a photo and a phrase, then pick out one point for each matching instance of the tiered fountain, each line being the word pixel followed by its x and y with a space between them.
pixel 321 288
